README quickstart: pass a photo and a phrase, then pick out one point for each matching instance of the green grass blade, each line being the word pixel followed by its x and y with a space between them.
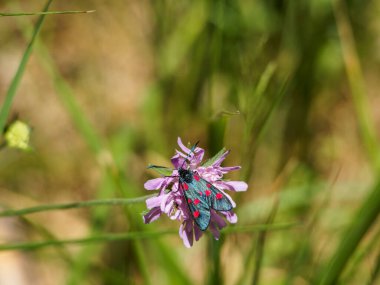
pixel 73 205
pixel 357 84
pixel 44 13
pixel 111 237
pixel 214 260
pixel 375 272
pixel 170 260
pixel 261 241
pixel 360 256
pixel 364 219
pixel 85 241
pixel 260 228
pixel 5 108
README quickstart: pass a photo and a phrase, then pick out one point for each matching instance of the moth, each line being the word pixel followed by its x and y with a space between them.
pixel 200 195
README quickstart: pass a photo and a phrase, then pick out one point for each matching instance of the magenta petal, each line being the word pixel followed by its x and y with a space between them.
pixel 175 215
pixel 217 220
pixel 152 215
pixel 215 232
pixel 224 170
pixel 154 184
pixel 177 161
pixel 186 234
pixel 231 216
pixel 220 159
pixel 181 154
pixel 197 233
pixel 167 203
pixel 235 185
pixel 198 156
pixel 153 202
pixel 182 146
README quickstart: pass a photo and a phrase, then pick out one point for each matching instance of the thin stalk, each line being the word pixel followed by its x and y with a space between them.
pixel 73 205
pixel 85 241
pixel 5 108
pixel 15 14
pixel 261 240
pixel 111 237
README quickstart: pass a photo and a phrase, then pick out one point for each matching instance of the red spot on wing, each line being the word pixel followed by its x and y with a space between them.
pixel 189 201
pixel 219 196
pixel 196 177
pixel 185 186
pixel 196 201
pixel 196 214
pixel 200 193
pixel 208 193
pixel 208 185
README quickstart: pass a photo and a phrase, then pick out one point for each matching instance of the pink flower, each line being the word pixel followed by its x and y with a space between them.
pixel 172 202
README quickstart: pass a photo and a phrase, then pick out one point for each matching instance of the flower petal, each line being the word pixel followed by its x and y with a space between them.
pixel 219 161
pixel 217 220
pixel 197 157
pixel 152 215
pixel 166 199
pixel 176 215
pixel 154 184
pixel 186 234
pixel 153 202
pixel 225 170
pixel 235 185
pixel 182 146
pixel 210 174
pixel 177 161
pixel 215 232
pixel 197 233
pixel 230 216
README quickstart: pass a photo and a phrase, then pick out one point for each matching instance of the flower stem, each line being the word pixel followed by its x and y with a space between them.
pixel 110 237
pixel 72 205
pixel 6 106
pixel 44 13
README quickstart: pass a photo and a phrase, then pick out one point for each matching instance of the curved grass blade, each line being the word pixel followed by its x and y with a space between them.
pixel 364 219
pixel 375 272
pixel 88 240
pixel 4 14
pixel 111 237
pixel 357 84
pixel 359 258
pixel 6 106
pixel 74 205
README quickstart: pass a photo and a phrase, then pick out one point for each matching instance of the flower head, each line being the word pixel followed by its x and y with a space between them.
pixel 17 135
pixel 174 203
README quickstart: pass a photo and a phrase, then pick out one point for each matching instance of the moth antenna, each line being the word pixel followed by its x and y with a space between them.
pixel 191 151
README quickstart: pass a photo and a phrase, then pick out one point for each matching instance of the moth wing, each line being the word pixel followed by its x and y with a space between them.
pixel 198 204
pixel 217 200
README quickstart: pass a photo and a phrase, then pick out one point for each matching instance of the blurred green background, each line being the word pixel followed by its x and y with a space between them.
pixel 291 87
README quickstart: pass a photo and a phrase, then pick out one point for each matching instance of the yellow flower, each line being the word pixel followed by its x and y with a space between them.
pixel 17 135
